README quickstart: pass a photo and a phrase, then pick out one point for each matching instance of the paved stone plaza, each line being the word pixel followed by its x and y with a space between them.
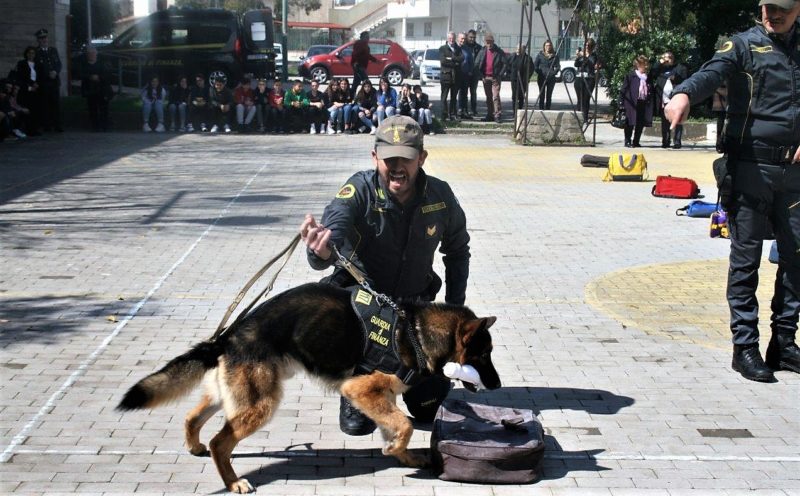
pixel 120 251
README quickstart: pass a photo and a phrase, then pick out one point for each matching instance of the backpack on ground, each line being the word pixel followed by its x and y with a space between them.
pixel 675 187
pixel 471 442
pixel 624 167
pixel 594 161
pixel 697 208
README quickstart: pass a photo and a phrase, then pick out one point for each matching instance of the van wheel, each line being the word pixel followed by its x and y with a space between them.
pixel 395 75
pixel 319 74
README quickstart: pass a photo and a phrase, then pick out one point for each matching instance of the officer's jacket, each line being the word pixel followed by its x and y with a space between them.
pixel 48 60
pixel 395 245
pixel 763 75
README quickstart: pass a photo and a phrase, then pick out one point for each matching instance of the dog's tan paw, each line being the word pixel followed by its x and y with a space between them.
pixel 241 486
pixel 199 450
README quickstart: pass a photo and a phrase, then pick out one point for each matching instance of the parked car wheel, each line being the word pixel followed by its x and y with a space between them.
pixel 395 75
pixel 568 75
pixel 320 74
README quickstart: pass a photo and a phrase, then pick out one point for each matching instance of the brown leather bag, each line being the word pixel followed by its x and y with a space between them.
pixel 471 442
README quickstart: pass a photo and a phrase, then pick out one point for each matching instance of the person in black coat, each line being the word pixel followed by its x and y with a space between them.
pixel 520 67
pixel 96 88
pixel 587 63
pixel 49 82
pixel 450 58
pixel 546 65
pixel 27 74
pixel 636 95
pixel 666 75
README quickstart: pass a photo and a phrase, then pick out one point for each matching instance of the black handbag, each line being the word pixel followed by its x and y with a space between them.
pixel 619 120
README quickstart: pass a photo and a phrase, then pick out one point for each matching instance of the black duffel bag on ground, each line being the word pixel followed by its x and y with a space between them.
pixel 486 444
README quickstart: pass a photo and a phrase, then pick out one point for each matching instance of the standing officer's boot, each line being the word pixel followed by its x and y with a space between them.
pixel 783 353
pixel 352 421
pixel 747 361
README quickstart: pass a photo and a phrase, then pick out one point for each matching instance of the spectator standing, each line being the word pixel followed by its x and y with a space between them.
pixel 666 75
pixel 465 77
pixel 587 64
pixel 96 89
pixel 153 97
pixel 27 76
pixel 366 105
pixel 221 102
pixel 387 100
pixel 277 112
pixel 636 95
pixel 49 81
pixel 317 109
pixel 178 103
pixel 423 106
pixel 474 76
pixel 200 112
pixel 761 141
pixel 296 104
pixel 520 68
pixel 261 98
pixel 546 66
pixel 490 64
pixel 244 98
pixel 450 60
pixel 359 60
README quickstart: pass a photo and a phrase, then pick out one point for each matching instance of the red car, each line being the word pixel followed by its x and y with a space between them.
pixel 393 63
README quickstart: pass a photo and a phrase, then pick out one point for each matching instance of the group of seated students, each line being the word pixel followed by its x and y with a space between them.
pixel 257 108
pixel 16 118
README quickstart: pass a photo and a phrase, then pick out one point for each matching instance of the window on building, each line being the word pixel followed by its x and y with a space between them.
pixel 428 29
pixel 410 29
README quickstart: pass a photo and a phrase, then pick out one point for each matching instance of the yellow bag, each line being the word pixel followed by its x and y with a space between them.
pixel 623 167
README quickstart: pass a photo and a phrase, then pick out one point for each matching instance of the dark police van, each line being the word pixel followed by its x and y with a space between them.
pixel 175 42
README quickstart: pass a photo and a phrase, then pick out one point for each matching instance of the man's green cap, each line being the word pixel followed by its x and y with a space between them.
pixel 784 4
pixel 398 136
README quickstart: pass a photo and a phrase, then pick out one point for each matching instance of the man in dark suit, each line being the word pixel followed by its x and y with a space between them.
pixel 49 82
pixel 450 58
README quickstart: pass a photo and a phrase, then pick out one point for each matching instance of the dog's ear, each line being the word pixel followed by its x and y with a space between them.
pixel 473 326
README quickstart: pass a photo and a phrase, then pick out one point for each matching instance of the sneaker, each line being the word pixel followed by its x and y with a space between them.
pixel 214 128
pixel 160 128
pixel 227 128
pixel 331 130
pixel 338 131
pixel 189 128
pixel 372 131
pixel 19 134
pixel 146 128
pixel 322 129
pixel 313 129
pixel 203 127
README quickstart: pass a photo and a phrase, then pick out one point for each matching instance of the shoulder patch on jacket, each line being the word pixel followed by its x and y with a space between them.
pixel 726 47
pixel 762 49
pixel 426 209
pixel 348 191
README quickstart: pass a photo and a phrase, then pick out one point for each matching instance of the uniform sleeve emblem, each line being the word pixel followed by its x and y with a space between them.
pixel 348 191
pixel 726 47
pixel 431 231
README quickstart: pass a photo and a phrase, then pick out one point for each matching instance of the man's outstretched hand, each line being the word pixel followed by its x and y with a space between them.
pixel 677 110
pixel 316 237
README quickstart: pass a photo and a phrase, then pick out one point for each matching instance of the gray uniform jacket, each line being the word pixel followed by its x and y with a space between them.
pixel 763 75
pixel 394 245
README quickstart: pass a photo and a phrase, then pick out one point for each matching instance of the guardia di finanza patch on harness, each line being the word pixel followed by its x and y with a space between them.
pixel 379 323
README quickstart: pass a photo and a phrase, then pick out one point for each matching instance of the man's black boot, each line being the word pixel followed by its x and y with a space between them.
pixel 352 421
pixel 783 353
pixel 747 361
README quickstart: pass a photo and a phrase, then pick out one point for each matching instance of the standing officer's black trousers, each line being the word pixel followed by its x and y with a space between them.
pixel 763 194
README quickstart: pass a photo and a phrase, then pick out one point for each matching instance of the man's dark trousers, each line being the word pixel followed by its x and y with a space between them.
pixel 762 193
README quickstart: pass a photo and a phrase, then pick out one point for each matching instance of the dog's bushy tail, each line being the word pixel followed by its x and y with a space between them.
pixel 176 379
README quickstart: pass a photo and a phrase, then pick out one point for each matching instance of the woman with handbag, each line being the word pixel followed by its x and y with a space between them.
pixel 636 95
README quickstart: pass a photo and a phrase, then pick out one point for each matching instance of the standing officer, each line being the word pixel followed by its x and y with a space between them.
pixel 389 222
pixel 49 82
pixel 762 67
pixel 450 59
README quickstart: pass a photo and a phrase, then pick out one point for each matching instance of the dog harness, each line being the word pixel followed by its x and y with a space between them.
pixel 380 326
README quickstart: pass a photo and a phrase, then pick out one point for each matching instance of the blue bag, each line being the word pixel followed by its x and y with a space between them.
pixel 697 208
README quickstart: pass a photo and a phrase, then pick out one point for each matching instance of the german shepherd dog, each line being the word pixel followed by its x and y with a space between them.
pixel 314 326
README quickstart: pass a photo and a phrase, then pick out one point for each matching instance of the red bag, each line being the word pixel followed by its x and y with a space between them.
pixel 675 187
